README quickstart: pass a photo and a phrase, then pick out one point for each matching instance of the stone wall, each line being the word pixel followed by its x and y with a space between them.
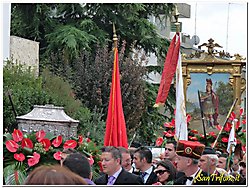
pixel 25 52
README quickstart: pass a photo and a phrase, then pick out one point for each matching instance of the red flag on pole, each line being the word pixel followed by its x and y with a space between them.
pixel 168 71
pixel 115 134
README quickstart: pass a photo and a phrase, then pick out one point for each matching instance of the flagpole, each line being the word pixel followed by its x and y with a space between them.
pixel 228 115
pixel 115 38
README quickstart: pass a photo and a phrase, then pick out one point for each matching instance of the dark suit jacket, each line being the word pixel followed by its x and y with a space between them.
pixel 124 178
pixel 152 177
pixel 181 179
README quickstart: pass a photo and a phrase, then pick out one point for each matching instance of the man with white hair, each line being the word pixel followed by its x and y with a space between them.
pixel 216 176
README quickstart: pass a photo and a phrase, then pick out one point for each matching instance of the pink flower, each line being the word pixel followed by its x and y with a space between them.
pixel 57 155
pixel 11 145
pixel 70 144
pixel 26 142
pixel 40 135
pixel 57 141
pixel 243 121
pixel 212 134
pixel 159 141
pixel 169 133
pixel 19 157
pixel 17 135
pixel 34 159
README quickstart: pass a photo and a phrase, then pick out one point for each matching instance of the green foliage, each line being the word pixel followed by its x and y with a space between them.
pixel 225 94
pixel 152 121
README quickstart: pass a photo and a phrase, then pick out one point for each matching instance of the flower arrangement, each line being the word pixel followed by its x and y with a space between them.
pixel 194 135
pixel 23 152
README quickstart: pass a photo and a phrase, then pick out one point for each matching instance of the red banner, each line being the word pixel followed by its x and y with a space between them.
pixel 115 134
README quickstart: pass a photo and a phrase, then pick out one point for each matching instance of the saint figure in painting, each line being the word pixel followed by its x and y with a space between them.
pixel 210 103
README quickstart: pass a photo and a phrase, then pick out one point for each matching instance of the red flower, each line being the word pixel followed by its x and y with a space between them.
pixel 232 116
pixel 70 144
pixel 219 127
pixel 224 139
pixel 46 143
pixel 57 141
pixel 243 130
pixel 169 133
pixel 202 136
pixel 17 135
pixel 11 145
pixel 173 122
pixel 192 138
pixel 243 121
pixel 237 125
pixel 34 159
pixel 168 125
pixel 91 160
pixel 241 111
pixel 188 118
pixel 228 127
pixel 244 148
pixel 80 137
pixel 174 111
pixel 40 135
pixel 26 142
pixel 194 131
pixel 212 134
pixel 88 140
pixel 100 166
pixel 19 157
pixel 57 155
pixel 159 141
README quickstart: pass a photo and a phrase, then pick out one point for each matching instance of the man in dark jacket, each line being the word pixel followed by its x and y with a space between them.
pixel 143 161
pixel 114 173
pixel 187 163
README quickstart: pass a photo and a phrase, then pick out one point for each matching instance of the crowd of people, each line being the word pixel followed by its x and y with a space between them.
pixel 182 163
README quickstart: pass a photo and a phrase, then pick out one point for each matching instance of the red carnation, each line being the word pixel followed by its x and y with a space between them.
pixel 70 144
pixel 88 140
pixel 26 142
pixel 228 127
pixel 34 159
pixel 202 136
pixel 19 157
pixel 46 143
pixel 159 141
pixel 57 155
pixel 11 145
pixel 224 139
pixel 57 141
pixel 40 135
pixel 173 122
pixel 17 135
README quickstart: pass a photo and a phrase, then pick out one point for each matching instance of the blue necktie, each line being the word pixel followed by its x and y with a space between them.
pixel 111 180
pixel 142 175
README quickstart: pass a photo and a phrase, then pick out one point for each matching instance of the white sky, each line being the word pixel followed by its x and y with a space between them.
pixel 211 22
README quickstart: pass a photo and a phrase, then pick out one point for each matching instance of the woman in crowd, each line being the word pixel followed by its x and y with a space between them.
pixel 166 172
pixel 53 175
